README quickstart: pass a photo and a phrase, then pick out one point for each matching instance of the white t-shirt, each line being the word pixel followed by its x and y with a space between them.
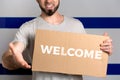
pixel 26 34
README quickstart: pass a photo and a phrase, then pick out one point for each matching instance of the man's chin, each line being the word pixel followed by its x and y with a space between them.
pixel 50 13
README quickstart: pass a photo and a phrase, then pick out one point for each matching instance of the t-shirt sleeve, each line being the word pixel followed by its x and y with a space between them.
pixel 22 35
pixel 82 27
pixel 79 27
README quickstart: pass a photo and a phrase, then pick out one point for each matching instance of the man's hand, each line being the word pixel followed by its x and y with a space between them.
pixel 16 50
pixel 106 46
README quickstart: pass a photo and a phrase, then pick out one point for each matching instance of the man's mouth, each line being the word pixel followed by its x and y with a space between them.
pixel 49 6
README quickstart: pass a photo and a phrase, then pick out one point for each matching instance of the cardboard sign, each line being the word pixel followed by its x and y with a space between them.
pixel 69 53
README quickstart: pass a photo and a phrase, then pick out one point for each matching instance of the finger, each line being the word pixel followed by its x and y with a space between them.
pixel 109 52
pixel 106 46
pixel 28 66
pixel 24 64
pixel 107 49
pixel 106 43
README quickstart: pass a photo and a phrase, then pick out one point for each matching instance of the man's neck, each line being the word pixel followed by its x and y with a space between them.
pixel 55 19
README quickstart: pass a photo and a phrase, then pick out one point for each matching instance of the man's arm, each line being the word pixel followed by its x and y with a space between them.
pixel 13 59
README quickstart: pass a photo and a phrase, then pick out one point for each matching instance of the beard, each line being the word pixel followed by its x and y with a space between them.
pixel 49 12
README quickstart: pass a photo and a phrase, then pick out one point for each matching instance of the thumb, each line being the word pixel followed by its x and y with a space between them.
pixel 105 34
pixel 11 46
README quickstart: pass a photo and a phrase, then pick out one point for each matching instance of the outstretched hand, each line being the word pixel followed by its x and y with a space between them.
pixel 18 57
pixel 106 46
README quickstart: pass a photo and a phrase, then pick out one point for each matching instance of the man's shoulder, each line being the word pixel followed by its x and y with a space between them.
pixel 29 24
pixel 72 19
pixel 32 21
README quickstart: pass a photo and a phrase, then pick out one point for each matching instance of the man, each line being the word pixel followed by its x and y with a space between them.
pixel 49 19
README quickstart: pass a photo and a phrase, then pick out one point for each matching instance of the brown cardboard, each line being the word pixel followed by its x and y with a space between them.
pixel 76 62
